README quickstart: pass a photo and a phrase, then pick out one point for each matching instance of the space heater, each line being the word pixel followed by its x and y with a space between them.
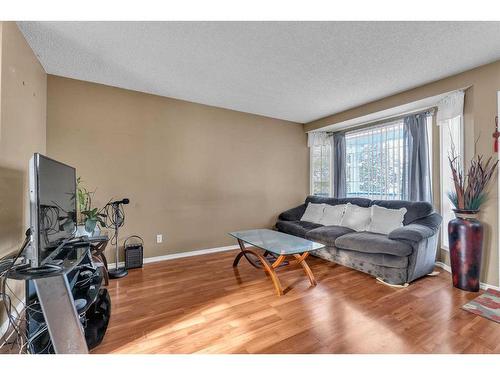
pixel 134 252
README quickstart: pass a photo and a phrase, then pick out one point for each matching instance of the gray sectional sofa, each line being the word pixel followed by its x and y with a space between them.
pixel 405 254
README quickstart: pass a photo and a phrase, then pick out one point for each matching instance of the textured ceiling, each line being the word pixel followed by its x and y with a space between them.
pixel 298 71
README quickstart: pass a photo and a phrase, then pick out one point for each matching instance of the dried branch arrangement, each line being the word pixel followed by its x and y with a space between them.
pixel 469 191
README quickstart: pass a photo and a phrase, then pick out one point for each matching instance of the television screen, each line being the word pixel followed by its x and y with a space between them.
pixel 53 205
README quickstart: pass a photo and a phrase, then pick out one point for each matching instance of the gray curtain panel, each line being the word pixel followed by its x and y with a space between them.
pixel 339 160
pixel 416 163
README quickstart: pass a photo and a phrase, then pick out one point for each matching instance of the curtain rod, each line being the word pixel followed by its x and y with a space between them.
pixel 430 110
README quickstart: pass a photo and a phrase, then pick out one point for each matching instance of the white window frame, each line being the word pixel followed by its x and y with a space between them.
pixel 443 161
pixel 311 170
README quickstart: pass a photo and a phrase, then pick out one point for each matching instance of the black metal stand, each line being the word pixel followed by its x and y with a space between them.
pixel 117 273
pixel 48 287
pixel 72 318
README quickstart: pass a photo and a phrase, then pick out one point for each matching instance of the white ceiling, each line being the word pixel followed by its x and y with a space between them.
pixel 298 71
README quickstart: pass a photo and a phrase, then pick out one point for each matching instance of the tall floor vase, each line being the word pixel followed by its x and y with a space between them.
pixel 465 235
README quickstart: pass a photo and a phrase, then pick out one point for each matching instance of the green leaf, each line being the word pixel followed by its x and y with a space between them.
pixel 476 202
pixel 452 196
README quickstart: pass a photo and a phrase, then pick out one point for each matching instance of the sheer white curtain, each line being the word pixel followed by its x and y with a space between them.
pixel 450 107
pixel 318 139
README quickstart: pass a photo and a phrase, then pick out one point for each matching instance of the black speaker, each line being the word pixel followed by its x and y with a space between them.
pixel 134 253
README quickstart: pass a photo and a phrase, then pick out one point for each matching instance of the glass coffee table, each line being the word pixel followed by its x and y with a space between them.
pixel 280 245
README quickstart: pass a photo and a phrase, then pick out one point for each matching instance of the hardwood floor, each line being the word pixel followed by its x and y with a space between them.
pixel 201 305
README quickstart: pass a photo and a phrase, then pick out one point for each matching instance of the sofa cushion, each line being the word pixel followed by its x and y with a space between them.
pixel 314 212
pixel 296 228
pixel 356 217
pixel 327 234
pixel 362 202
pixel 367 242
pixel 332 215
pixel 415 210
pixel 385 220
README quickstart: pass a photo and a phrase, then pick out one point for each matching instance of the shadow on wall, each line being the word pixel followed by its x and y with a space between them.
pixel 11 209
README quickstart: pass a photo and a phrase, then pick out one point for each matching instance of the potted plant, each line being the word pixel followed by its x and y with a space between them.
pixel 89 216
pixel 465 232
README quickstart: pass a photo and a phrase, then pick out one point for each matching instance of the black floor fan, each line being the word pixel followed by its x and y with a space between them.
pixel 115 217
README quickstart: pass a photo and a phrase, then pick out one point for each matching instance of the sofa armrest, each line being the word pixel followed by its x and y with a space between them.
pixel 419 229
pixel 293 214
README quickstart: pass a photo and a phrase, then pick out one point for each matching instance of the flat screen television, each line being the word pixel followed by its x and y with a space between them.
pixel 53 207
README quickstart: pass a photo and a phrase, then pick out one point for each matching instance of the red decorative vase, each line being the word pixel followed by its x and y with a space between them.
pixel 465 235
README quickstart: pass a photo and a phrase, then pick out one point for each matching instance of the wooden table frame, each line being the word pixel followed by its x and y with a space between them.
pixel 263 263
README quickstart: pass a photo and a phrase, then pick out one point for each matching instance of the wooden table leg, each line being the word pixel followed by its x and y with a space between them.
pixel 263 261
pixel 278 261
pixel 244 252
pixel 301 259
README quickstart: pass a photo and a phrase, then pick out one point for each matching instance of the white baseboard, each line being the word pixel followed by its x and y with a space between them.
pixel 185 254
pixel 481 285
pixel 444 266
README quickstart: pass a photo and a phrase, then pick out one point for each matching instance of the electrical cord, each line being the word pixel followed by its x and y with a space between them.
pixel 27 345
pixel 15 335
pixel 115 217
pixel 28 307
pixel 6 300
pixel 12 320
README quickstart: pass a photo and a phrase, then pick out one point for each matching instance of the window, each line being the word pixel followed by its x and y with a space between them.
pixel 374 161
pixel 321 160
pixel 451 135
pixel 375 158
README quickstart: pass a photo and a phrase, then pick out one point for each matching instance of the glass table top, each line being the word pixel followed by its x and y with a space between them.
pixel 276 242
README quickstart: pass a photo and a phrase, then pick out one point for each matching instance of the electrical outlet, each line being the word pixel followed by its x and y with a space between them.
pixel 159 238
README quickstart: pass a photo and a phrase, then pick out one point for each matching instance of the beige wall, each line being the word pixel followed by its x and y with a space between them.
pixel 22 130
pixel 479 119
pixel 23 89
pixel 192 172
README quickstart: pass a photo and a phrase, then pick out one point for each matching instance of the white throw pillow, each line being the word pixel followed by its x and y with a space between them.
pixel 313 213
pixel 385 220
pixel 356 217
pixel 333 214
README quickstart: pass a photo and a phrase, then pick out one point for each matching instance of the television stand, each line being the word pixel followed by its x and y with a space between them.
pixel 65 296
